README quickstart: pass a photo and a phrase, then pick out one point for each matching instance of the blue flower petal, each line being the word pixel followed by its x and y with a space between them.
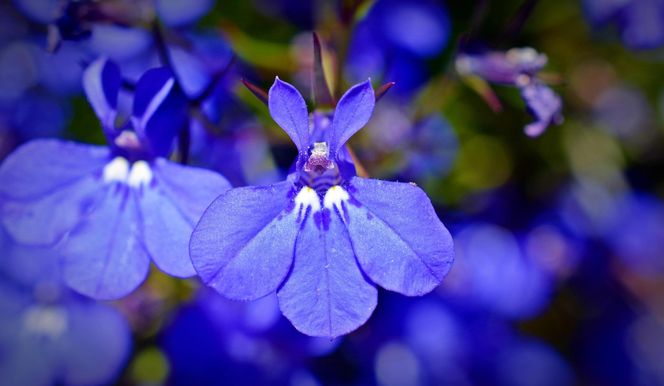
pixel 544 104
pixel 102 81
pixel 289 110
pixel 28 360
pixel 326 293
pixel 351 114
pixel 399 241
pixel 42 11
pixel 96 345
pixel 46 186
pixel 103 257
pixel 170 210
pixel 159 110
pixel 177 13
pixel 243 244
pixel 27 342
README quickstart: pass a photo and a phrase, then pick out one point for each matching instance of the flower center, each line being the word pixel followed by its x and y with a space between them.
pixel 319 171
pixel 135 175
pixel 49 321
pixel 319 160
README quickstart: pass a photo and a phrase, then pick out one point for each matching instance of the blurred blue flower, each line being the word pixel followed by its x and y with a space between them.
pixel 177 13
pixel 641 22
pixel 636 230
pixel 52 189
pixel 246 342
pixel 492 273
pixel 526 362
pixel 380 46
pixel 517 67
pixel 329 231
pixel 49 335
pixel 432 149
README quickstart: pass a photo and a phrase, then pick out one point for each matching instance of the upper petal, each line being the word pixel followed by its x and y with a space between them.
pixel 170 208
pixel 351 114
pixel 243 243
pixel 102 81
pixel 104 257
pixel 289 110
pixel 326 293
pixel 159 110
pixel 397 236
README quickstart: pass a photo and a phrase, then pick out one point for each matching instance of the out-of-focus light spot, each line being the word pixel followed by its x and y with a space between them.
pixel 389 127
pixel 427 25
pixel 593 153
pixel 302 377
pixel 150 366
pixel 533 363
pixel 436 336
pixel 490 272
pixel 625 112
pixel 644 343
pixel 636 231
pixel 396 365
pixel 590 78
pixel 586 208
pixel 552 250
pixel 484 163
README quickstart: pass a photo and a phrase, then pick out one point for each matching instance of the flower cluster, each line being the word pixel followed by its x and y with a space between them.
pixel 323 238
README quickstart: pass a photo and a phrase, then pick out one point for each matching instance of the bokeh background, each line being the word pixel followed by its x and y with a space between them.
pixel 558 278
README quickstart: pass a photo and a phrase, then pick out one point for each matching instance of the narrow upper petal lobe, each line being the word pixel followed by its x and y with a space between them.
pixel 351 114
pixel 289 110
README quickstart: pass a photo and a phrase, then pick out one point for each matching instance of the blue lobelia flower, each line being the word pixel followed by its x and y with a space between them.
pixel 517 67
pixel 113 208
pixel 323 238
pixel 48 334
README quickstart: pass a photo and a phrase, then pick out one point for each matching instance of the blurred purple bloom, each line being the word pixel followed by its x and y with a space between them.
pixel 636 230
pixel 331 235
pixel 543 104
pixel 641 22
pixel 49 335
pixel 492 273
pixel 247 342
pixel 525 362
pixel 118 206
pixel 517 67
